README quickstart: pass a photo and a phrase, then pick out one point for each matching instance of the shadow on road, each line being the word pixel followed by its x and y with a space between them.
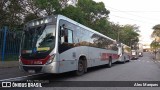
pixel 68 75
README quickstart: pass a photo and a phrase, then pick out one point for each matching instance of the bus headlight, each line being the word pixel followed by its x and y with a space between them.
pixel 50 60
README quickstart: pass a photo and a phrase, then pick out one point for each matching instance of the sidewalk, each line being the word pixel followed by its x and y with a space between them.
pixel 10 69
pixel 8 64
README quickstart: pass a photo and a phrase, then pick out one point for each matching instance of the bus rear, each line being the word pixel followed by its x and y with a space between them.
pixel 124 52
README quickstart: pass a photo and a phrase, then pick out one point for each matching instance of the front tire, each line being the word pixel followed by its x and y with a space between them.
pixel 81 68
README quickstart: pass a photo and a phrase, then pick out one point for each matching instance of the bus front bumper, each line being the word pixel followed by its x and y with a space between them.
pixel 50 68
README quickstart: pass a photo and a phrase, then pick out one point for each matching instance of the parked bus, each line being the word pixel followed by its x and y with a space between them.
pixel 57 44
pixel 124 53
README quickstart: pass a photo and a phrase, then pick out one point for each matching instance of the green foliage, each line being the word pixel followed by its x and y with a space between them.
pixel 74 13
pixel 155 44
pixel 87 12
pixel 128 34
pixel 49 6
pixel 156 32
pixel 93 12
pixel 156 35
pixel 30 17
pixel 10 11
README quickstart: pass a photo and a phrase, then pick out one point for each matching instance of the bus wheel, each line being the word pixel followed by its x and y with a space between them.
pixel 81 68
pixel 110 63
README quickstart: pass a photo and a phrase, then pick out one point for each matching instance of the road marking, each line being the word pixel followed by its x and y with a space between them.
pixel 146 61
pixel 20 77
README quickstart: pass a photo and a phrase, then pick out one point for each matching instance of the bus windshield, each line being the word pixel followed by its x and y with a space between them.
pixel 38 41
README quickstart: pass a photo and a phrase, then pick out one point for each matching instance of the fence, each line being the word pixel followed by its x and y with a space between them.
pixel 9 44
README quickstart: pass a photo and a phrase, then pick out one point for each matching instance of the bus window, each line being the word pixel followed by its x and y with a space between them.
pixel 70 36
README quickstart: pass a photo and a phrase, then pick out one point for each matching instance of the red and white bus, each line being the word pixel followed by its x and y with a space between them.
pixel 57 44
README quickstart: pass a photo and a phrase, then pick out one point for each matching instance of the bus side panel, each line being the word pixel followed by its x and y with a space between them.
pixel 101 56
pixel 67 61
pixel 94 55
pixel 83 51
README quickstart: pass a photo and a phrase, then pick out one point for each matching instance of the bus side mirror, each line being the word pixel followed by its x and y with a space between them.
pixel 63 31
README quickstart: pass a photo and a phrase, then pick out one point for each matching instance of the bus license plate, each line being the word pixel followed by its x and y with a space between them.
pixel 31 71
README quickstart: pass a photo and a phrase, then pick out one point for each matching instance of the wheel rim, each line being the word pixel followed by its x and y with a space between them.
pixel 80 67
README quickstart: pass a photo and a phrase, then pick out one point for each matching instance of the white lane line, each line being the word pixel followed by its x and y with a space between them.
pixel 20 77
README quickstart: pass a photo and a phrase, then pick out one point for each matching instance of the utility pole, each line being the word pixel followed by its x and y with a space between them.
pixel 132 47
pixel 118 31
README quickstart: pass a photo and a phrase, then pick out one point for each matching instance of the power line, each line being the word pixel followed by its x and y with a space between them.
pixel 133 19
pixel 117 10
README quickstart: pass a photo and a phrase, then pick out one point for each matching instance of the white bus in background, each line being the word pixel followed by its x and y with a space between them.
pixel 134 51
pixel 57 44
pixel 124 53
pixel 134 54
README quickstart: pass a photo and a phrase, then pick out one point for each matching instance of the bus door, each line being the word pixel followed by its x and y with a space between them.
pixel 67 55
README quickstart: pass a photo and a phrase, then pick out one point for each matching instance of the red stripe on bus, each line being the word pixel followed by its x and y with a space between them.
pixel 105 56
pixel 35 61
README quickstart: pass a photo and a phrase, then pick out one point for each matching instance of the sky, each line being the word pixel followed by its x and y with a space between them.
pixel 143 13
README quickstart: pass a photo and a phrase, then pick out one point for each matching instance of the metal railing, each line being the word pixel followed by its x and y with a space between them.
pixel 9 44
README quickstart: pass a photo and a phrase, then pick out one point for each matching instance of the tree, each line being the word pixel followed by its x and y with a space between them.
pixel 86 12
pixel 155 44
pixel 48 7
pixel 129 35
pixel 92 11
pixel 156 32
pixel 10 13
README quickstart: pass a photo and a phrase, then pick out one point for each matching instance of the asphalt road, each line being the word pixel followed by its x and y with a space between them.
pixel 143 69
